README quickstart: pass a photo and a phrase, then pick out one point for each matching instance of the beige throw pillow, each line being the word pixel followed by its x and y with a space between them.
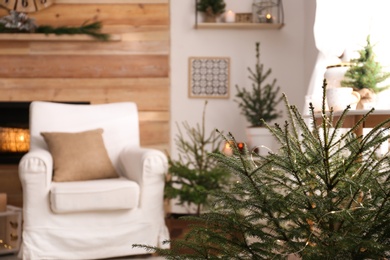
pixel 79 156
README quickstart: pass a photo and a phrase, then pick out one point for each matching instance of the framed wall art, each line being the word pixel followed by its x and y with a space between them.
pixel 209 77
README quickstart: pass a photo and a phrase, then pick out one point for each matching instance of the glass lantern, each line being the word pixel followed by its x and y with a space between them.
pixel 267 11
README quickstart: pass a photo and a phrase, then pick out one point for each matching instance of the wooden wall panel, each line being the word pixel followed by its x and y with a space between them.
pixel 83 66
pixel 133 66
pixel 109 14
pixel 150 94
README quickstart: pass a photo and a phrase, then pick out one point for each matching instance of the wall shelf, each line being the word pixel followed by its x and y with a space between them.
pixel 246 21
pixel 259 26
pixel 52 37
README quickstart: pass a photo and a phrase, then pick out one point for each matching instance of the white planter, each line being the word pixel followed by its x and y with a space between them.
pixel 260 138
pixel 340 98
pixel 335 74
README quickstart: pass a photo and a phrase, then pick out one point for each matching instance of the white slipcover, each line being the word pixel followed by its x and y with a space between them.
pixel 60 229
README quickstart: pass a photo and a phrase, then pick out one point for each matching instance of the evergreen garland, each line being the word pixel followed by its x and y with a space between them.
pixel 324 195
pixel 365 71
pixel 259 105
pixel 92 29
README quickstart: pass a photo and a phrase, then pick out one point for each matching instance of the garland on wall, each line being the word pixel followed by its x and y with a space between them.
pixel 17 22
pixel 92 29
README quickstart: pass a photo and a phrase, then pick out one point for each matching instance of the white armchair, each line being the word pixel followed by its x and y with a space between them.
pixel 91 218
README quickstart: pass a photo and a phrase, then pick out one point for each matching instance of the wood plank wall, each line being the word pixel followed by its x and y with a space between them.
pixel 133 68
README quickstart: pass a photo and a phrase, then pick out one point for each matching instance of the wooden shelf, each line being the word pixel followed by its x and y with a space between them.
pixel 52 37
pixel 244 23
pixel 259 26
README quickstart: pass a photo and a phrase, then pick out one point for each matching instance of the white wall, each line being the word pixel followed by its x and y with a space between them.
pixel 289 52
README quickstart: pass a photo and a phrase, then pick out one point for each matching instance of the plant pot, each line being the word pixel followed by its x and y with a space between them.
pixel 367 99
pixel 208 18
pixel 177 227
pixel 340 98
pixel 335 74
pixel 260 140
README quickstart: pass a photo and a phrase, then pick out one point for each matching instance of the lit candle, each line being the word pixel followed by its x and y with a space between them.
pixel 268 17
pixel 228 149
pixel 3 202
pixel 230 17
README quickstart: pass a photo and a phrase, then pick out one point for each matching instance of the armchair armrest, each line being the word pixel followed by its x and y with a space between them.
pixel 34 162
pixel 147 167
pixel 139 164
pixel 35 173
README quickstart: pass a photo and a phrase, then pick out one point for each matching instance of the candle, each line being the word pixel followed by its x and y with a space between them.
pixel 230 17
pixel 228 149
pixel 269 18
pixel 3 202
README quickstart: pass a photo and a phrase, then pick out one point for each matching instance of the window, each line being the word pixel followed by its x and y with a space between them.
pixel 344 25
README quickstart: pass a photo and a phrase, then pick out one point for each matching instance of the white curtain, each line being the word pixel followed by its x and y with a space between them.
pixel 343 25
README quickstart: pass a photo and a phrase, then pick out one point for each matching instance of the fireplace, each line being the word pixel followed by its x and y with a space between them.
pixel 14 133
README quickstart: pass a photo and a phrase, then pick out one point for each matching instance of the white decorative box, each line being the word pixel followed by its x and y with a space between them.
pixel 10 230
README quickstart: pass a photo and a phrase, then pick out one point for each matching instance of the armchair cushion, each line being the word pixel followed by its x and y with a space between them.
pixel 79 156
pixel 101 195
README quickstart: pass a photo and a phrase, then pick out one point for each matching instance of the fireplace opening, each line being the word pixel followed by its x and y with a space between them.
pixel 14 132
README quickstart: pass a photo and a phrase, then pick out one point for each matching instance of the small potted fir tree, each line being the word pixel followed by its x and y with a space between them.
pixel 194 173
pixel 211 9
pixel 365 76
pixel 259 106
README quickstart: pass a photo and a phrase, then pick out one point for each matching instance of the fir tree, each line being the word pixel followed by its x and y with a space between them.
pixel 259 106
pixel 323 195
pixel 195 173
pixel 365 71
pixel 211 7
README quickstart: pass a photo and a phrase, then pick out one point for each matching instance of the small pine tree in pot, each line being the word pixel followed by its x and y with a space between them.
pixel 194 173
pixel 260 105
pixel 365 75
pixel 211 9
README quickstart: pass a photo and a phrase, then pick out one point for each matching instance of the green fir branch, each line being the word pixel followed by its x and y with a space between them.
pixel 92 29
